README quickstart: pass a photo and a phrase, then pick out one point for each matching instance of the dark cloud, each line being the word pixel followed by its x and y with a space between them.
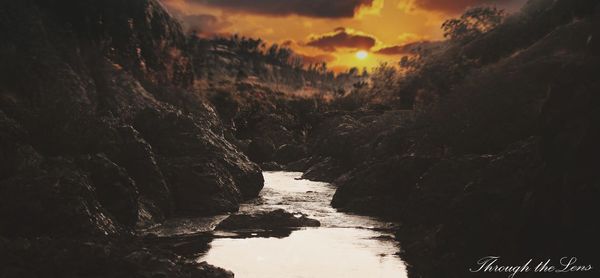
pixel 203 23
pixel 341 38
pixel 410 48
pixel 392 50
pixel 309 8
pixel 458 6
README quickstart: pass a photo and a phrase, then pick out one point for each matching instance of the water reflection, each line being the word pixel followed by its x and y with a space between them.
pixel 345 246
pixel 319 252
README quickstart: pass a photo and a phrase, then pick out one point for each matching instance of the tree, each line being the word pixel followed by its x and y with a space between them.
pixel 283 55
pixel 353 72
pixel 272 52
pixel 383 79
pixel 473 23
pixel 365 73
pixel 410 63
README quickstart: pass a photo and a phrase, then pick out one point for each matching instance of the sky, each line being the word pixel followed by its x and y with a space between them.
pixel 343 33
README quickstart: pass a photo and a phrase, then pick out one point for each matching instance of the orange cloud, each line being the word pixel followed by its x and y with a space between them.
pixel 305 26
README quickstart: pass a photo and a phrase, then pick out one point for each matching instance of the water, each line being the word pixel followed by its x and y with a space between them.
pixel 345 245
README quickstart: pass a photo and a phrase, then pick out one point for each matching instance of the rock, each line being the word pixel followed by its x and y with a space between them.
pixel 115 190
pixel 379 187
pixel 207 174
pixel 15 155
pixel 439 186
pixel 60 201
pixel 303 164
pixel 75 175
pixel 326 171
pixel 123 146
pixel 93 257
pixel 137 157
pixel 288 153
pixel 201 187
pixel 210 271
pixel 277 219
pixel 274 127
pixel 271 166
pixel 261 150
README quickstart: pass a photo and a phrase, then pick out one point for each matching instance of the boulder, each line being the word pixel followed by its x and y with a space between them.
pixel 271 166
pixel 206 173
pixel 277 219
pixel 138 158
pixel 125 146
pixel 200 186
pixel 326 170
pixel 378 188
pixel 288 153
pixel 303 164
pixel 115 190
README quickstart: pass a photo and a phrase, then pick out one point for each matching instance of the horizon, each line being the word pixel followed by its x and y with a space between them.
pixel 333 33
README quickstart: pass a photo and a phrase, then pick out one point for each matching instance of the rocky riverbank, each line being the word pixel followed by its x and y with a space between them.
pixel 101 134
pixel 503 163
pixel 103 131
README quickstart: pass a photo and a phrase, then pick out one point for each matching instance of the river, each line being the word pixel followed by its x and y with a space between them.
pixel 345 245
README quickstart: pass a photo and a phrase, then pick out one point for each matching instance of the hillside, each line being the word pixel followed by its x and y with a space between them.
pixel 114 120
pixel 502 163
pixel 102 133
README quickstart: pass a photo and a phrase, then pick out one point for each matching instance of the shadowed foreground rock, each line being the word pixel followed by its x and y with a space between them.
pixel 44 257
pixel 207 173
pixel 102 132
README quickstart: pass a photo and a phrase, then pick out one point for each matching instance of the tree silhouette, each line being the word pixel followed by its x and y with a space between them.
pixel 473 23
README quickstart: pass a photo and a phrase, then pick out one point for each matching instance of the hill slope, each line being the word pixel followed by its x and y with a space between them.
pixel 503 164
pixel 101 133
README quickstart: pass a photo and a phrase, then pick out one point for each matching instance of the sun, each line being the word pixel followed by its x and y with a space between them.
pixel 362 54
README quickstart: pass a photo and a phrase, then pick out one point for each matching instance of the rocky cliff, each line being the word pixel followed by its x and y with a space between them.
pixel 503 163
pixel 102 130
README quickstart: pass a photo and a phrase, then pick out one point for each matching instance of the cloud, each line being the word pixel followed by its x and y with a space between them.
pixel 410 48
pixel 458 6
pixel 308 8
pixel 405 38
pixel 204 23
pixel 342 38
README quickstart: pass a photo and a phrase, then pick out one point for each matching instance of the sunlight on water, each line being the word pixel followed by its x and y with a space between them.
pixel 342 247
pixel 321 252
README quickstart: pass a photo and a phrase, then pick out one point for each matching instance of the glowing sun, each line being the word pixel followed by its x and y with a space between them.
pixel 361 55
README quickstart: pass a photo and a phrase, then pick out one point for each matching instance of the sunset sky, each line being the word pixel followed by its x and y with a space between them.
pixel 333 31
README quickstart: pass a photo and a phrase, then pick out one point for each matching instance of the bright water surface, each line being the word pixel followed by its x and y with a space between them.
pixel 344 246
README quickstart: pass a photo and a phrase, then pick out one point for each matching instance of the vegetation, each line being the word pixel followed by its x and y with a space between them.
pixel 241 59
pixel 473 23
pixel 417 79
